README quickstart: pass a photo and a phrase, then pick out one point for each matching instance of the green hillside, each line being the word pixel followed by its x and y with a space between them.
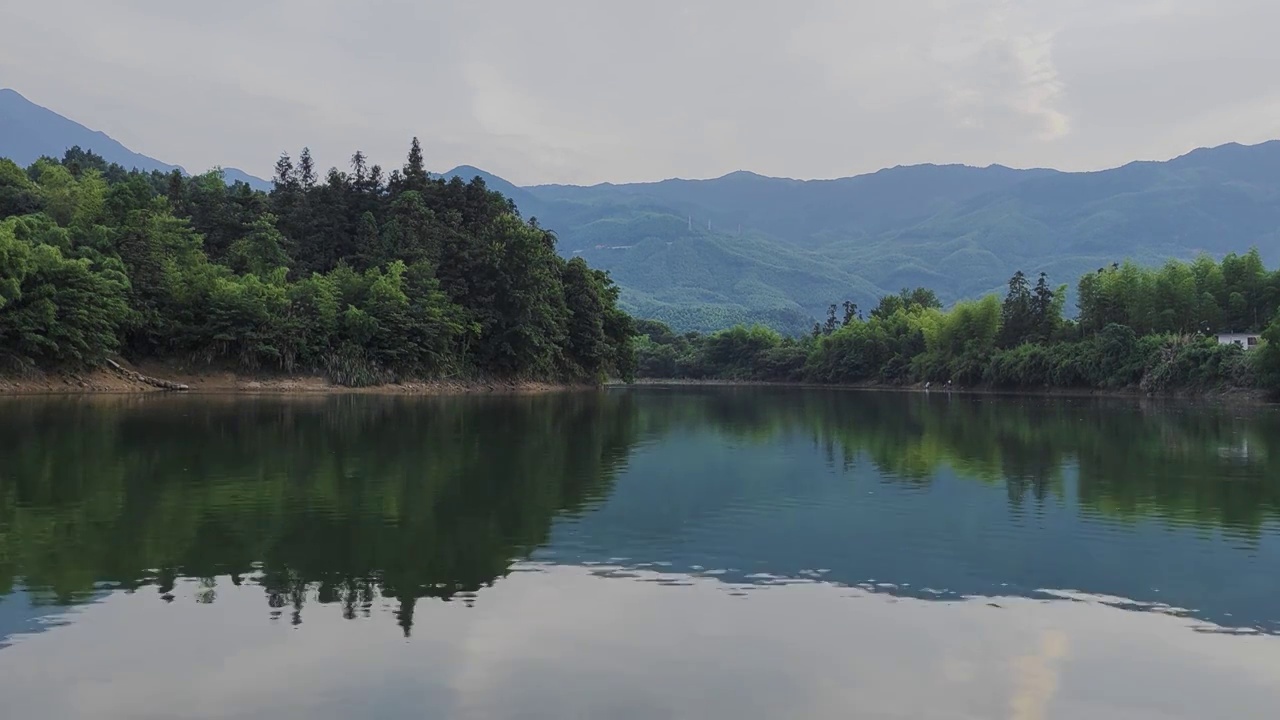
pixel 700 254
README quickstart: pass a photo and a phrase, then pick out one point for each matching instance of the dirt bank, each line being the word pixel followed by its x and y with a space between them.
pixel 103 380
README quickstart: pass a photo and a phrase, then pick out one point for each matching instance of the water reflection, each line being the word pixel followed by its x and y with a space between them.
pixel 350 502
pixel 558 641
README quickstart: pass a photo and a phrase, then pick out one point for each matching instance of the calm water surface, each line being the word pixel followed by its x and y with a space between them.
pixel 638 553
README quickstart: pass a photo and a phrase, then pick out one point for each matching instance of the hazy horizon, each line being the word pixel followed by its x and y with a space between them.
pixel 395 164
pixel 575 92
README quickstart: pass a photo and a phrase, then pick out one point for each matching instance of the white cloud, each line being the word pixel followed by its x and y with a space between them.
pixel 561 642
pixel 586 91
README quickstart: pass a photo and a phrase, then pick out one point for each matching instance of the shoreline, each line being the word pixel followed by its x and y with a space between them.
pixel 126 381
pixel 1251 396
pixel 103 381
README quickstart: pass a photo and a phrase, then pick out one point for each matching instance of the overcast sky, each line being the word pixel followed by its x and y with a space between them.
pixel 587 91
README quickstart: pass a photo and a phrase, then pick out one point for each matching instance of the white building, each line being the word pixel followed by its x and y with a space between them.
pixel 1248 341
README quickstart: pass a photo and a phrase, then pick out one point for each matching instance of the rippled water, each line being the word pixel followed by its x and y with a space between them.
pixel 638 553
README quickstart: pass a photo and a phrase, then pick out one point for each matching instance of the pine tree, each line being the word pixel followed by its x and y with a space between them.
pixel 286 178
pixel 306 170
pixel 415 172
pixel 359 171
pixel 175 190
pixel 1043 309
pixel 1017 315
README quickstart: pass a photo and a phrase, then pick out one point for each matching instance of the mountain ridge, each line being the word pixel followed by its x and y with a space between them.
pixel 960 229
pixel 745 247
pixel 29 131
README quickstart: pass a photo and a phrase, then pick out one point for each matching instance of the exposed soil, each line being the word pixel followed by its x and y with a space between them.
pixel 102 380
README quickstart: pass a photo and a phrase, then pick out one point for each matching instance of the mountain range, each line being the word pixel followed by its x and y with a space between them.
pixel 29 131
pixel 704 254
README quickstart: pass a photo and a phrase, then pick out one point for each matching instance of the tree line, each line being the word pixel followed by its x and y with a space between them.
pixel 1148 328
pixel 363 275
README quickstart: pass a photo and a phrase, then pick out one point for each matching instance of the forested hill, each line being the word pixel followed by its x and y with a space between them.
pixel 365 276
pixel 705 254
pixel 708 254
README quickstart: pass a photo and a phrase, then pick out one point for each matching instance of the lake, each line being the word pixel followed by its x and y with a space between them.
pixel 646 552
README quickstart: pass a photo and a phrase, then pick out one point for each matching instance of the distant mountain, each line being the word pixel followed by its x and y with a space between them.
pixel 699 253
pixel 526 201
pixel 235 175
pixel 703 254
pixel 29 131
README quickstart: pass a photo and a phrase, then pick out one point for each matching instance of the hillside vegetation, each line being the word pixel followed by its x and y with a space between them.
pixel 365 277
pixel 744 248
pixel 1138 328
pixel 698 254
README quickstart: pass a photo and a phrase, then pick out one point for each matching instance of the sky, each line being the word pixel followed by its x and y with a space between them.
pixel 587 91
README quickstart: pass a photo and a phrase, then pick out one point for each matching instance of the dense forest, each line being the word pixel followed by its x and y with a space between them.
pixel 1152 329
pixel 365 276
pixel 369 277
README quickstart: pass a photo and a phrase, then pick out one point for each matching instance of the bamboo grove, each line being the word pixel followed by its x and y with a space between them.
pixel 1153 329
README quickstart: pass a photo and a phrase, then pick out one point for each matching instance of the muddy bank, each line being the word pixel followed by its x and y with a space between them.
pixel 171 378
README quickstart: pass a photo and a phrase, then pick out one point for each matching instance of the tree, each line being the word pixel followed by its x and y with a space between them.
pixel 162 257
pixel 1268 357
pixel 56 310
pixel 306 172
pixel 1018 317
pixel 60 193
pixel 960 343
pixel 286 177
pixel 359 171
pixel 415 172
pixel 850 312
pixel 1244 278
pixel 1047 309
pixel 368 245
pixel 18 194
pixel 587 348
pixel 261 252
pixel 410 232
pixel 919 298
pixel 15 259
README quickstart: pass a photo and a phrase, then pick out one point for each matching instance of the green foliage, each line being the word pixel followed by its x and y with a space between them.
pixel 1237 295
pixel 1123 340
pixel 960 343
pixel 261 251
pixel 776 243
pixel 363 279
pixel 1268 360
pixel 320 506
pixel 18 195
pixel 55 309
pixel 122 490
pixel 906 300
